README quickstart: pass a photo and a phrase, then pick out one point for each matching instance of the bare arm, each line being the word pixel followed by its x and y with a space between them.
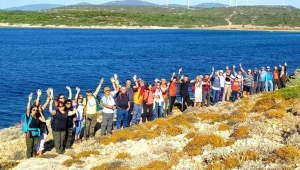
pixel 77 93
pixel 70 113
pixel 41 118
pixel 70 92
pixel 128 106
pixel 98 88
pixel 47 100
pixel 39 93
pixel 212 72
pixel 241 67
pixel 113 83
pixel 53 112
pixel 28 104
pixel 233 70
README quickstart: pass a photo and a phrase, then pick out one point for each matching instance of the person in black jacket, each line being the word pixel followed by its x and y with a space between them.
pixel 185 97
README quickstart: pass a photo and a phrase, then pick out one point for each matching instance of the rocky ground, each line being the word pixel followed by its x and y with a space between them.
pixel 256 132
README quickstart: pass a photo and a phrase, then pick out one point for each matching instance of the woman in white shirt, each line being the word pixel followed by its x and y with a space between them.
pixel 159 102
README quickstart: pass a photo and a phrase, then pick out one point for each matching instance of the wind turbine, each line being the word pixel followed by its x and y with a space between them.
pixel 283 2
pixel 247 2
pixel 236 3
pixel 167 3
pixel 229 2
pixel 188 4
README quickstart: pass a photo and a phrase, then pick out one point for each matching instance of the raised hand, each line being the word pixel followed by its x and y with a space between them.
pixel 285 63
pixel 212 68
pixel 240 64
pixel 68 88
pixel 30 97
pixel 39 92
pixel 173 75
pixel 156 80
pixel 48 92
pixel 77 89
pixel 115 76
pixel 168 84
pixel 117 82
pixel 181 78
pixel 101 81
pixel 227 67
pixel 134 77
pixel 233 67
pixel 179 71
pixel 112 79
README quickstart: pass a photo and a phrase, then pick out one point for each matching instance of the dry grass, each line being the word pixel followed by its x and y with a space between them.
pixel 193 148
pixel 8 165
pixel 288 152
pixel 190 135
pixel 209 116
pixel 84 154
pixel 249 155
pixel 70 162
pixel 112 166
pixel 275 113
pixel 224 127
pixel 157 165
pixel 216 166
pixel 232 162
pixel 230 142
pixel 174 158
pixel 264 104
pixel 123 156
pixel 241 132
pixel 256 118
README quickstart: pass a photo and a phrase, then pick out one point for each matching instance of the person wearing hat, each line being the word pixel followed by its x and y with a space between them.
pixel 248 81
pixel 269 80
pixel 90 110
pixel 109 107
pixel 255 88
pixel 227 87
pixel 222 82
pixel 262 79
pixel 276 81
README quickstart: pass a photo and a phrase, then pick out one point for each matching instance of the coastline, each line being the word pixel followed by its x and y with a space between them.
pixel 221 27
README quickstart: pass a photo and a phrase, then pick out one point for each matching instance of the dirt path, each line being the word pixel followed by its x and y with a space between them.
pixel 229 18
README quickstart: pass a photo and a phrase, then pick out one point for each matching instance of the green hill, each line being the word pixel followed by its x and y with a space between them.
pixel 156 16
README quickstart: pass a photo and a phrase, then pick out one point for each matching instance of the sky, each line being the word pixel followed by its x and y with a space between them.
pixel 14 3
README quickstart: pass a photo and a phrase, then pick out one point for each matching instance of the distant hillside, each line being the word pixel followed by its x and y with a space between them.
pixel 210 5
pixel 130 3
pixel 139 16
pixel 84 3
pixel 35 7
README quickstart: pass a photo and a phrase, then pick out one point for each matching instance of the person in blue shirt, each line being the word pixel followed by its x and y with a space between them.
pixel 262 79
pixel 269 80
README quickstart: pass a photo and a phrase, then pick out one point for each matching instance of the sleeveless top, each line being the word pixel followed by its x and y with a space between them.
pixel 60 121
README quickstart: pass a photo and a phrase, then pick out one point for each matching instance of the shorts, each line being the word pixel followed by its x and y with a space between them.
pixel 247 88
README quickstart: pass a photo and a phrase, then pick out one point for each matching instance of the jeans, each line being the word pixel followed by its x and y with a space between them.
pixel 171 103
pixel 185 99
pixel 269 85
pixel 147 112
pixel 107 123
pixel 129 118
pixel 234 95
pixel 158 109
pixel 205 95
pixel 78 127
pixel 262 85
pixel 255 88
pixel 122 115
pixel 215 94
pixel 276 82
pixel 136 113
pixel 221 91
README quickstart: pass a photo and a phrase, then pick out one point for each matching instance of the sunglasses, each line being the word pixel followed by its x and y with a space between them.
pixel 79 98
pixel 68 103
pixel 61 97
pixel 61 106
pixel 107 91
pixel 35 110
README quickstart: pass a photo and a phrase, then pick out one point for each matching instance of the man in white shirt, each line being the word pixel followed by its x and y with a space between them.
pixel 109 107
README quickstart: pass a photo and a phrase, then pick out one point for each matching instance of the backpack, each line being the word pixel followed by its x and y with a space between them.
pixel 25 126
pixel 193 88
pixel 98 104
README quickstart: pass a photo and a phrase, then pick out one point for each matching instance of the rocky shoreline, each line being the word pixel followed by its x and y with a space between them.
pixel 256 132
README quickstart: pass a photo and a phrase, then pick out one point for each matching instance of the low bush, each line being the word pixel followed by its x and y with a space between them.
pixel 223 127
pixel 241 132
pixel 275 113
pixel 8 165
pixel 157 165
pixel 123 156
pixel 288 152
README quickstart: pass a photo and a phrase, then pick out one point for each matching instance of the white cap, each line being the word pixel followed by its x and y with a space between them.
pixel 249 70
pixel 268 66
pixel 221 71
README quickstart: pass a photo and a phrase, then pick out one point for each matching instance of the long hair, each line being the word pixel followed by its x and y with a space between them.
pixel 58 96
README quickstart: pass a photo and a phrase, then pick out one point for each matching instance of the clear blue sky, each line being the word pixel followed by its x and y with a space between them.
pixel 14 3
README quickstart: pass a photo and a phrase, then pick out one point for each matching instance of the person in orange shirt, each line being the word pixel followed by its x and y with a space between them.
pixel 276 78
pixel 235 85
pixel 138 98
pixel 172 93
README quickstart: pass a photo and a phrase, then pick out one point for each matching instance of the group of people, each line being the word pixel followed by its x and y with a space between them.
pixel 138 102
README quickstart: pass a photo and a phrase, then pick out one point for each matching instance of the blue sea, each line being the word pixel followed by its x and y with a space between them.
pixel 42 58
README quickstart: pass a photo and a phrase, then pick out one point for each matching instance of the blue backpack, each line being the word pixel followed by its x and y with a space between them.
pixel 25 126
